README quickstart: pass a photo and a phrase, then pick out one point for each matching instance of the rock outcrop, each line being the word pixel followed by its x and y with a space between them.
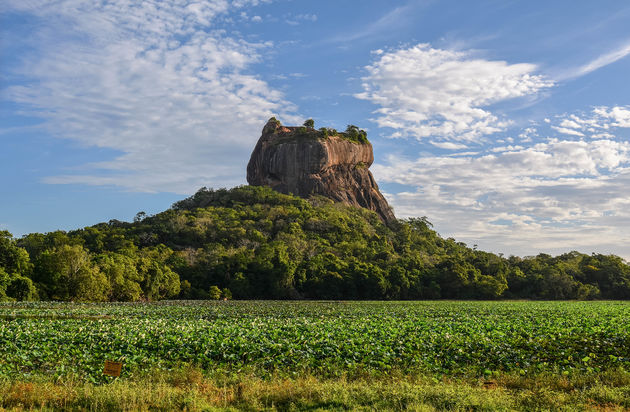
pixel 304 161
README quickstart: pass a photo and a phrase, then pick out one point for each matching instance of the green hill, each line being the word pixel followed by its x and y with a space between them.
pixel 252 242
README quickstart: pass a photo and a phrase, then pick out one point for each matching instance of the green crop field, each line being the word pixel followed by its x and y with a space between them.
pixel 440 341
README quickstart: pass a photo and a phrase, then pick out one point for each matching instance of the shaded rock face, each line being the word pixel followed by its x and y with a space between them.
pixel 303 162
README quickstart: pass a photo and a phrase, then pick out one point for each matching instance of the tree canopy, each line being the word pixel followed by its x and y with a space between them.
pixel 252 242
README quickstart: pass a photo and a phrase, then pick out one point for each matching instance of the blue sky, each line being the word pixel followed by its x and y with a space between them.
pixel 506 123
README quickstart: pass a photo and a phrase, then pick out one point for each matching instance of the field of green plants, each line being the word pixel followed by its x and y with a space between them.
pixel 326 339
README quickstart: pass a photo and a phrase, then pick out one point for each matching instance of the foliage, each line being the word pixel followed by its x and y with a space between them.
pixel 15 269
pixel 214 293
pixel 355 134
pixel 13 258
pixel 16 287
pixel 261 244
pixel 310 123
pixel 327 339
pixel 67 273
pixel 122 274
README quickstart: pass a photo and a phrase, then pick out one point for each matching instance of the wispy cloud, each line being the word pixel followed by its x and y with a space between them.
pixel 567 131
pixel 390 21
pixel 597 63
pixel 448 145
pixel 297 19
pixel 156 81
pixel 422 91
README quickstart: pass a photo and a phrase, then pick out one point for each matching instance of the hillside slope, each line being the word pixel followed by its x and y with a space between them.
pixel 252 242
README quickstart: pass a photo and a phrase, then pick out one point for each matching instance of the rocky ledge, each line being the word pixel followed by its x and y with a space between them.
pixel 304 161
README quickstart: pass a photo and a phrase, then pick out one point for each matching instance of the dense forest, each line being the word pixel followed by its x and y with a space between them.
pixel 254 243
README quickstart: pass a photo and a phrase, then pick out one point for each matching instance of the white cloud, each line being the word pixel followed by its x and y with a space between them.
pixel 297 19
pixel 506 149
pixel 619 115
pixel 596 124
pixel 568 131
pixel 549 197
pixel 448 145
pixel 572 124
pixel 603 135
pixel 154 81
pixel 597 63
pixel 463 154
pixel 425 92
pixel 528 133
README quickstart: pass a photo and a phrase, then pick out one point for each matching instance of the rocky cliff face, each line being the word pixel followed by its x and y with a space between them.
pixel 306 162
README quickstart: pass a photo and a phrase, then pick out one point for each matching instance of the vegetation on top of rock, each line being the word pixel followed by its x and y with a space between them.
pixel 352 132
pixel 274 120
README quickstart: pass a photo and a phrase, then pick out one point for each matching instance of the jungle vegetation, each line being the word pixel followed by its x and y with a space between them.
pixel 254 243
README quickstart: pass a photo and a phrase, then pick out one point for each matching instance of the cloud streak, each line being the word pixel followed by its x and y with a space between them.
pixel 597 63
pixel 390 20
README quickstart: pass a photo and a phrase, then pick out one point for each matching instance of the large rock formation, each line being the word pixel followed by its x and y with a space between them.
pixel 306 162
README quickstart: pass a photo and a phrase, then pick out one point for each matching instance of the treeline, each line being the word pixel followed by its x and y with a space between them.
pixel 251 242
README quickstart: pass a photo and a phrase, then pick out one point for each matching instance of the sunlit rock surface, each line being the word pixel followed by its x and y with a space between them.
pixel 304 162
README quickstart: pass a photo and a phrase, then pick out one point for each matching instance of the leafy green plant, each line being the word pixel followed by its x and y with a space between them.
pixel 214 292
pixel 226 294
pixel 333 338
pixel 354 134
